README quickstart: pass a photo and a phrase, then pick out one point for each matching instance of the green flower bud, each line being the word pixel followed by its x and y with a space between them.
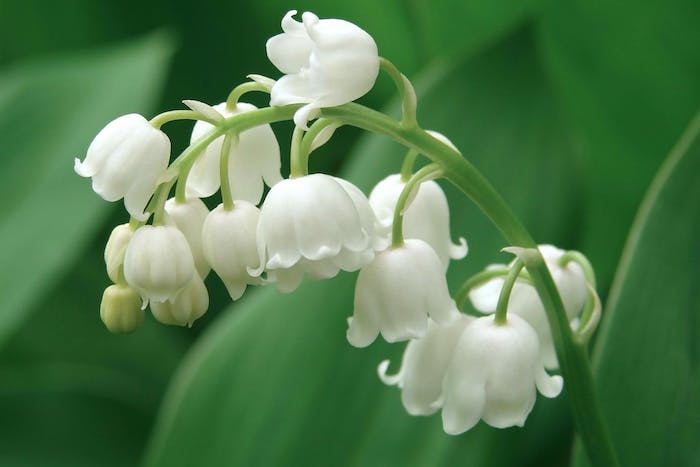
pixel 120 309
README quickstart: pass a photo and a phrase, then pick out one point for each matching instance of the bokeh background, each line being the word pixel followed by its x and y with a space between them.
pixel 569 107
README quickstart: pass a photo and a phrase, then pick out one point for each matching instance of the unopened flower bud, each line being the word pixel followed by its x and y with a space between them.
pixel 115 248
pixel 120 309
pixel 189 305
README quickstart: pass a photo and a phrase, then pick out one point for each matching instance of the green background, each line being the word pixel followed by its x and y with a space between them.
pixel 569 107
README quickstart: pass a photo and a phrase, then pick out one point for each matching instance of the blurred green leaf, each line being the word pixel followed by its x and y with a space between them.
pixel 629 73
pixel 51 111
pixel 274 382
pixel 646 360
pixel 72 394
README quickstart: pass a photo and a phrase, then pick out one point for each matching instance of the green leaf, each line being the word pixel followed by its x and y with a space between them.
pixel 51 111
pixel 628 71
pixel 274 382
pixel 71 393
pixel 647 357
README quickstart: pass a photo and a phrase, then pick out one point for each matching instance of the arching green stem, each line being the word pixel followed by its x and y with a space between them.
pixel 244 88
pixel 173 115
pixel 428 172
pixel 572 355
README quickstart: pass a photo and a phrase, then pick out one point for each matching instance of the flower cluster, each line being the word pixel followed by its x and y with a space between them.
pixel 484 365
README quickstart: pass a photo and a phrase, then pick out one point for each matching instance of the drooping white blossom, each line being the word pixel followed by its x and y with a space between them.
pixel 189 217
pixel 423 366
pixel 311 225
pixel 120 309
pixel 158 262
pixel 189 305
pixel 125 160
pixel 230 245
pixel 427 216
pixel 524 301
pixel 115 249
pixel 493 375
pixel 326 62
pixel 397 292
pixel 253 158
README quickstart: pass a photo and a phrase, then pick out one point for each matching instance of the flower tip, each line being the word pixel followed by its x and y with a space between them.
pixel 389 380
pixel 288 20
pixel 459 250
pixel 260 79
pixel 80 169
pixel 204 109
pixel 304 114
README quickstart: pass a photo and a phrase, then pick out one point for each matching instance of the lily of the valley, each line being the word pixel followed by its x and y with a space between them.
pixel 524 301
pixel 397 292
pixel 426 218
pixel 312 225
pixel 125 160
pixel 424 365
pixel 158 263
pixel 327 62
pixel 254 157
pixel 189 304
pixel 494 374
pixel 230 245
pixel 188 217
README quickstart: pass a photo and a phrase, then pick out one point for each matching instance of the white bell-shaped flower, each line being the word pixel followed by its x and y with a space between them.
pixel 423 366
pixel 189 305
pixel 493 375
pixel 230 245
pixel 158 262
pixel 524 301
pixel 326 63
pixel 426 218
pixel 189 218
pixel 312 225
pixel 125 160
pixel 397 292
pixel 254 158
pixel 115 249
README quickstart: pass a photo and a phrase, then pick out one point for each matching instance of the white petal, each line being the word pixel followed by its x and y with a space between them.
pixel 291 89
pixel 549 386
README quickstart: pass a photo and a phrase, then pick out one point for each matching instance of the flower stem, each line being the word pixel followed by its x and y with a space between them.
pixel 226 195
pixel 407 166
pixel 298 163
pixel 409 102
pixel 503 299
pixel 428 172
pixel 241 89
